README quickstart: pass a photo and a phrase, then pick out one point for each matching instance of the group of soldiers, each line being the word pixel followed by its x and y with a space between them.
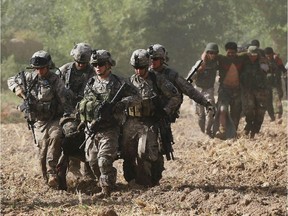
pixel 250 83
pixel 84 112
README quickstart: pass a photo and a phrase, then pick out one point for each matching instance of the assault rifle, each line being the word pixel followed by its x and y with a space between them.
pixel 26 107
pixel 166 138
pixel 165 131
pixel 103 110
pixel 193 71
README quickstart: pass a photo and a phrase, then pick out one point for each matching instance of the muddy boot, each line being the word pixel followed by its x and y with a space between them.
pixel 105 193
pixel 52 181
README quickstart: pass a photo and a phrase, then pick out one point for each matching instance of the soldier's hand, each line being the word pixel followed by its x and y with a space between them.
pixel 20 92
pixel 81 126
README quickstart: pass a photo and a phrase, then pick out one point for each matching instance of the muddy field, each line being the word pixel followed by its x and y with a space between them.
pixel 208 177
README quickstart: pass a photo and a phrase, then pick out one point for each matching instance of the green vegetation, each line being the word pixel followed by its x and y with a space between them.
pixel 183 27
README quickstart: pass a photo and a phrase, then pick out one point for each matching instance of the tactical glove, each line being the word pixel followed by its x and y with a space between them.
pixel 20 92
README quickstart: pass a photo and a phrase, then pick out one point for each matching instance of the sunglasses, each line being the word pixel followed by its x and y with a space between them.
pixel 139 68
pixel 99 64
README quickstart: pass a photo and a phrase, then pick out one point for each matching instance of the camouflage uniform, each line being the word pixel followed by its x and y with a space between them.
pixel 182 85
pixel 254 92
pixel 101 148
pixel 75 80
pixel 143 160
pixel 274 82
pixel 49 102
pixel 75 76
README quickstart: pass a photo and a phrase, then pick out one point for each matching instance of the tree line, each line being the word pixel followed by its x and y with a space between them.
pixel 184 27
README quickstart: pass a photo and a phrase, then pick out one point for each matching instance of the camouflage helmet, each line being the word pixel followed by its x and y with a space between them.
pixel 81 52
pixel 41 59
pixel 158 51
pixel 212 47
pixel 101 56
pixel 140 58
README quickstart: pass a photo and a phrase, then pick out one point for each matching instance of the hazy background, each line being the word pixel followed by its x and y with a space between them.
pixel 184 27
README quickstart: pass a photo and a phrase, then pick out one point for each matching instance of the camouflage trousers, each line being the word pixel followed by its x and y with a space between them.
pixel 101 152
pixel 141 152
pixel 49 139
pixel 274 105
pixel 254 105
pixel 205 120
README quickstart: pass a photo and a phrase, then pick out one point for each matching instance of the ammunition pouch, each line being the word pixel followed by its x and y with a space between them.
pixel 43 107
pixel 87 109
pixel 145 109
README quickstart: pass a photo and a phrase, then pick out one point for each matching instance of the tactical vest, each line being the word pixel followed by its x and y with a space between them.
pixel 45 102
pixel 147 107
pixel 206 78
pixel 90 104
pixel 75 81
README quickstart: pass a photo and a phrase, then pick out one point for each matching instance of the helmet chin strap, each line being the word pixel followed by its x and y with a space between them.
pixel 105 73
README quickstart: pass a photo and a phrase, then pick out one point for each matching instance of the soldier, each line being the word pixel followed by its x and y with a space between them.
pixel 75 76
pixel 274 86
pixel 204 81
pixel 229 95
pixel 159 57
pixel 103 113
pixel 45 93
pixel 254 91
pixel 143 160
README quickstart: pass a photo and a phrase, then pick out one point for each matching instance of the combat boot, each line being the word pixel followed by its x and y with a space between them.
pixel 52 181
pixel 105 193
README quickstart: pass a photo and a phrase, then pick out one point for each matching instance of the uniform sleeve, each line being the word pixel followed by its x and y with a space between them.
pixel 16 82
pixel 189 90
pixel 171 93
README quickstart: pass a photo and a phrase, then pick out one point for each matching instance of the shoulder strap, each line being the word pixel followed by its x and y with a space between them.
pixel 68 75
